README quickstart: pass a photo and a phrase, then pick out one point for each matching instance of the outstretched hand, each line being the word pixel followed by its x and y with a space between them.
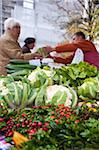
pixel 38 56
pixel 48 49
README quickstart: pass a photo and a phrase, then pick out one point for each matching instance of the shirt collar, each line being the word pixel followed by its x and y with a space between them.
pixel 7 35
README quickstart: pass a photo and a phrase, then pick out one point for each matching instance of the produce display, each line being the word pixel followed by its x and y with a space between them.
pixel 19 68
pixel 50 108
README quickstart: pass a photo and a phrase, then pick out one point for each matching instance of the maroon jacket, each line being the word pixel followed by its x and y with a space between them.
pixel 91 55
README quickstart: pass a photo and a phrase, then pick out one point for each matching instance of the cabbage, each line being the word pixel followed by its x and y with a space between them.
pixel 59 94
pixel 89 89
pixel 39 76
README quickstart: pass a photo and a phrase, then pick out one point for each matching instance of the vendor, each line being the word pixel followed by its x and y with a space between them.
pixel 91 55
pixel 29 44
pixel 9 46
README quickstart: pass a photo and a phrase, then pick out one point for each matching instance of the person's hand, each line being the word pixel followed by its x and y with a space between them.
pixel 48 49
pixel 37 56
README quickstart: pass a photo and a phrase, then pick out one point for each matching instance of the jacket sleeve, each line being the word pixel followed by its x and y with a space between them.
pixel 65 60
pixel 66 48
pixel 25 50
pixel 14 51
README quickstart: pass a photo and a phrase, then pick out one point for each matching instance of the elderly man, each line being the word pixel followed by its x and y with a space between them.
pixel 91 55
pixel 9 46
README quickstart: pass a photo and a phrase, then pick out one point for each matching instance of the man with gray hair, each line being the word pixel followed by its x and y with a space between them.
pixel 9 46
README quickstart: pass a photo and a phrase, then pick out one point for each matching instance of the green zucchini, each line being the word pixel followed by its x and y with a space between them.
pixel 15 66
pixel 17 61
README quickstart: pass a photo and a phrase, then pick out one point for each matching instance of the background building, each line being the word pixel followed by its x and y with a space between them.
pixel 5 11
pixel 31 14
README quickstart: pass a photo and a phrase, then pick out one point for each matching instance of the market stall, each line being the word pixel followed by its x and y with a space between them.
pixel 50 107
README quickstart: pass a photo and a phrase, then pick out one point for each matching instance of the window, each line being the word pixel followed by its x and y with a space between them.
pixel 28 4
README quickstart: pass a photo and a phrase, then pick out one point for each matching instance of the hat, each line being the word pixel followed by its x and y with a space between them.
pixel 29 40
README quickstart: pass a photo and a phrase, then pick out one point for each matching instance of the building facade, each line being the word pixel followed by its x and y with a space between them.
pixel 31 15
pixel 6 6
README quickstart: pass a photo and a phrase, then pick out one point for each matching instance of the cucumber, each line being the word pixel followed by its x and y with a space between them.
pixel 15 66
pixel 17 61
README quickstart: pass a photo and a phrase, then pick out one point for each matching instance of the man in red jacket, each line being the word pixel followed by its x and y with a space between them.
pixel 91 55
